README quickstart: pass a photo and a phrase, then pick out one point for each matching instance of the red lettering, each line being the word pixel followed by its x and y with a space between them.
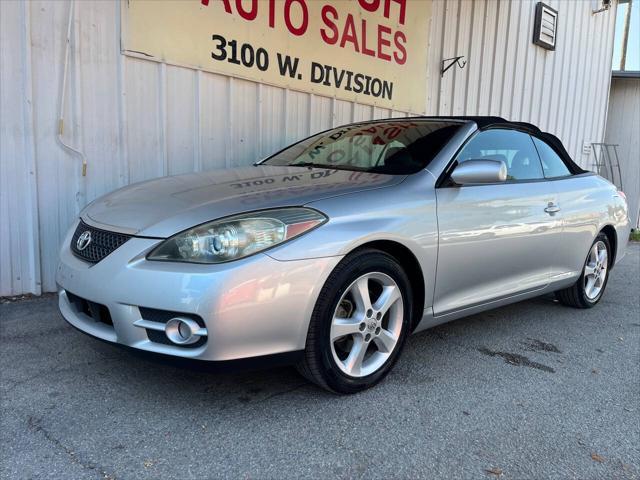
pixel 403 8
pixel 272 13
pixel 400 39
pixel 349 33
pixel 365 50
pixel 370 5
pixel 205 2
pixel 374 5
pixel 326 10
pixel 247 14
pixel 383 42
pixel 305 17
pixel 392 132
pixel 227 6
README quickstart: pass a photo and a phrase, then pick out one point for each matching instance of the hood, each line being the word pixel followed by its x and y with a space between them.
pixel 168 205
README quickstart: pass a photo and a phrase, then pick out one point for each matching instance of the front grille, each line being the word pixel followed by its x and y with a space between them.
pixel 163 316
pixel 97 311
pixel 102 243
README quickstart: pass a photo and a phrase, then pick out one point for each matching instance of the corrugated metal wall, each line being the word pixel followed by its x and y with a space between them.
pixel 137 119
pixel 623 129
pixel 563 91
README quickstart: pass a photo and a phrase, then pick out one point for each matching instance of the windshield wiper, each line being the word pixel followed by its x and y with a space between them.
pixel 311 165
pixel 308 165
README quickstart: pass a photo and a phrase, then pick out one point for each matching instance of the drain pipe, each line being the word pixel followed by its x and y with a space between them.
pixel 62 97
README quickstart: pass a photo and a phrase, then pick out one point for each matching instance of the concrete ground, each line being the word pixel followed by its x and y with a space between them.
pixel 534 390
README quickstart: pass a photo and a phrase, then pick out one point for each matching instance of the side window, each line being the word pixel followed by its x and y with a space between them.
pixel 515 149
pixel 552 165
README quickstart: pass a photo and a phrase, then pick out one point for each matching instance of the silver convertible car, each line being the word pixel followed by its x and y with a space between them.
pixel 329 253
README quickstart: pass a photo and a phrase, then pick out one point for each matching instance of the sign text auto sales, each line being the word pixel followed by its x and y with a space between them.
pixel 348 33
pixel 369 51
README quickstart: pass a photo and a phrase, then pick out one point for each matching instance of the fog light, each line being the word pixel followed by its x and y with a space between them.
pixel 182 331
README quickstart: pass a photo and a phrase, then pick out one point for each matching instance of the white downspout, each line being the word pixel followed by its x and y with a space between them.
pixel 63 91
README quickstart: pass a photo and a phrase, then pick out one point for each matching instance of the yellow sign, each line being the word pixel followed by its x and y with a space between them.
pixel 367 51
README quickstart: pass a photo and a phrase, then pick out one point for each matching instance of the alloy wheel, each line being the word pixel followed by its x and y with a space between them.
pixel 595 270
pixel 366 324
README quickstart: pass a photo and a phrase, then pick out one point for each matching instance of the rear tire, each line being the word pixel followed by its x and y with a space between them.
pixel 589 288
pixel 359 324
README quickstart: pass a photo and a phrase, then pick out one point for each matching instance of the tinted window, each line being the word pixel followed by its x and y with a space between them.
pixel 394 147
pixel 514 148
pixel 552 164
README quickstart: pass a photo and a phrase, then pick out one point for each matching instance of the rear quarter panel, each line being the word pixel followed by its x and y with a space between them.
pixel 589 203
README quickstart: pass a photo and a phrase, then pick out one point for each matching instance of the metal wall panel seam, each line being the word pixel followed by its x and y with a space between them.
pixel 594 97
pixel 285 112
pixel 584 97
pixel 594 119
pixel 547 86
pixel 463 39
pixel 562 110
pixel 525 93
pixel 227 140
pixel 311 128
pixel 10 274
pixel 259 133
pixel 32 210
pixel 475 54
pixel 519 66
pixel 162 107
pixel 576 88
pixel 448 51
pixel 607 75
pixel 78 131
pixel 197 136
pixel 125 173
pixel 434 57
pixel 507 45
pixel 333 112
pixel 456 72
pixel 499 53
pixel 462 105
pixel 484 91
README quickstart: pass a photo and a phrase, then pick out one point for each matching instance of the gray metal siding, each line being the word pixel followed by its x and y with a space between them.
pixel 137 119
pixel 623 129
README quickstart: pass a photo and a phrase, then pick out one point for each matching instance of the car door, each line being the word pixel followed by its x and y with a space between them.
pixel 495 240
pixel 580 200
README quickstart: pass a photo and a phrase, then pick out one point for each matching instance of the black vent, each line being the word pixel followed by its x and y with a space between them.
pixel 163 316
pixel 97 311
pixel 102 243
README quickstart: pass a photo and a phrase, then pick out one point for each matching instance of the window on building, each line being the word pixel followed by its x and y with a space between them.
pixel 515 149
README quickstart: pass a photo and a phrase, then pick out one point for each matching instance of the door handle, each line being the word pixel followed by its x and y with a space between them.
pixel 552 208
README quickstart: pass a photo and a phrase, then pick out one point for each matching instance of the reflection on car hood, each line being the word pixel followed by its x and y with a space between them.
pixel 165 206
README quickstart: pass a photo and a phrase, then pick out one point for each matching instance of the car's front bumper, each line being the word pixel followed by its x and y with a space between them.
pixel 252 307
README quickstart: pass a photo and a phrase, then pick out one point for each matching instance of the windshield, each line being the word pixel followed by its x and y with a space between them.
pixel 398 147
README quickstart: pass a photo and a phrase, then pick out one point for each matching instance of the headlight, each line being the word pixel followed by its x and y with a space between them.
pixel 238 236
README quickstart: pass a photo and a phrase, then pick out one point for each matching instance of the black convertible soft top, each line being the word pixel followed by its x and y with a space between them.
pixel 489 121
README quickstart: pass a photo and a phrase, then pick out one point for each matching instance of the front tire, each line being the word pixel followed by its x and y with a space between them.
pixel 359 324
pixel 589 288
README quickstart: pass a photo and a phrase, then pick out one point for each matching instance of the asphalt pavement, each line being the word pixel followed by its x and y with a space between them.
pixel 529 391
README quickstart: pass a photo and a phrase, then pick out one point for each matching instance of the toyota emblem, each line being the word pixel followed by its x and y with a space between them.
pixel 83 240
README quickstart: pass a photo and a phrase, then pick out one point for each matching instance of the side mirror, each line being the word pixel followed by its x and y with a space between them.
pixel 479 172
